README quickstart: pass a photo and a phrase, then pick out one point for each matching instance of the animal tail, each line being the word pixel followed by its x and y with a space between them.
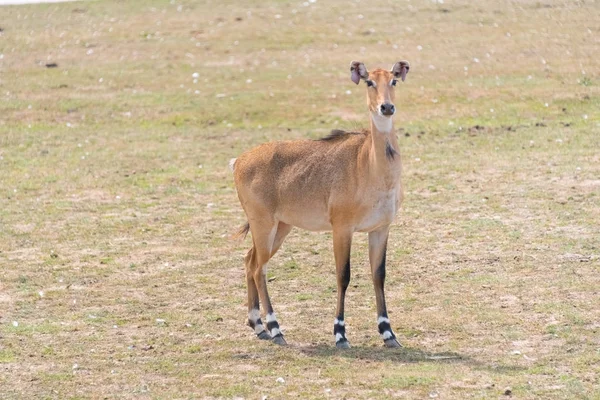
pixel 242 232
pixel 232 163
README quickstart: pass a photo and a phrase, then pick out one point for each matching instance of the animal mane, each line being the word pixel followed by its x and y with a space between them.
pixel 338 134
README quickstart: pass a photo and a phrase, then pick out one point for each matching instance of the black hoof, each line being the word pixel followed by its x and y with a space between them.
pixel 392 343
pixel 264 336
pixel 342 344
pixel 279 340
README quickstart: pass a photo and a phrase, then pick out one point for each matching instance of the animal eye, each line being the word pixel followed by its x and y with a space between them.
pixel 369 83
pixel 394 82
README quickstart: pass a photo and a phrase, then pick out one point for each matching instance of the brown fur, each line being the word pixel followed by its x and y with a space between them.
pixel 345 182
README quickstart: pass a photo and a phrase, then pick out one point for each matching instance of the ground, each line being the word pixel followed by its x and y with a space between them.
pixel 119 276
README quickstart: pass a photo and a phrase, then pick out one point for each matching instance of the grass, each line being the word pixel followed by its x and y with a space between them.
pixel 116 203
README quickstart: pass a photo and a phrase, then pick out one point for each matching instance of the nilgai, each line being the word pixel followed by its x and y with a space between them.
pixel 346 182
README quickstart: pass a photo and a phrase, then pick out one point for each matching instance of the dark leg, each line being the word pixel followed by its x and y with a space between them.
pixel 342 242
pixel 377 250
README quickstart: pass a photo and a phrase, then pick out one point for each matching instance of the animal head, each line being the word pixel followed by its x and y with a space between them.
pixel 380 85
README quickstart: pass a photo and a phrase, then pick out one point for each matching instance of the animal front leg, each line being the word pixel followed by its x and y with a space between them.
pixel 342 242
pixel 377 250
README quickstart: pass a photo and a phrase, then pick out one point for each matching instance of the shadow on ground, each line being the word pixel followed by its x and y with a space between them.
pixel 405 355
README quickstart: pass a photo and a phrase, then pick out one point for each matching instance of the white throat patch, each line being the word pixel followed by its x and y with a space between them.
pixel 383 124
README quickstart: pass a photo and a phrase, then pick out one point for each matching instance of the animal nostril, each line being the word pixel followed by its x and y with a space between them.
pixel 387 109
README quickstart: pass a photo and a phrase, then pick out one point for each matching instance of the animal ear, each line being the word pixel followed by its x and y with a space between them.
pixel 400 69
pixel 358 71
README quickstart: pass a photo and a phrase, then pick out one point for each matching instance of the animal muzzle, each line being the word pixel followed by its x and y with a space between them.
pixel 387 109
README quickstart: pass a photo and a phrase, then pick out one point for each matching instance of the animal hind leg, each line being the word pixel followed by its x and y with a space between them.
pixel 283 230
pixel 264 233
pixel 254 320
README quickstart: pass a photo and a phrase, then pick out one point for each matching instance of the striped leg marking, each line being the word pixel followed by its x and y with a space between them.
pixel 385 330
pixel 273 327
pixel 255 323
pixel 339 331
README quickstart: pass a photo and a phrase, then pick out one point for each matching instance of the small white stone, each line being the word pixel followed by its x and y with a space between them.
pixel 75 366
pixel 160 321
pixel 515 352
pixel 15 324
pixel 248 80
pixel 348 92
pixel 280 380
pixel 419 47
pixel 41 293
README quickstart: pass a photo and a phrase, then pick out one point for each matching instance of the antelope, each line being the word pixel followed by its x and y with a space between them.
pixel 346 182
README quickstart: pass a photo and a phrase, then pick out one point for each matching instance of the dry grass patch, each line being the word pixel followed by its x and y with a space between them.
pixel 116 203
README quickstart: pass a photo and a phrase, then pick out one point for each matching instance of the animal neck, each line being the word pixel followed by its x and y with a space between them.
pixel 384 155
